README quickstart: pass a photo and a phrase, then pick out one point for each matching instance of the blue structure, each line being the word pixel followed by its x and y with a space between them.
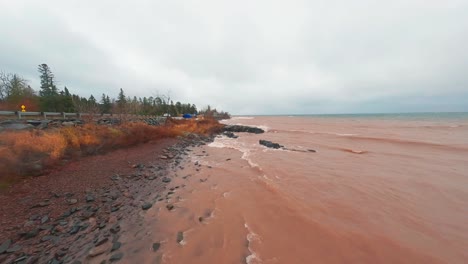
pixel 187 116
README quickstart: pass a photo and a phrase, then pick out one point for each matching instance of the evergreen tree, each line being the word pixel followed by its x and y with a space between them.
pixel 67 101
pixel 48 92
pixel 121 101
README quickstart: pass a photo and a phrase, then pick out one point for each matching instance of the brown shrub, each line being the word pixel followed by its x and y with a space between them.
pixel 24 153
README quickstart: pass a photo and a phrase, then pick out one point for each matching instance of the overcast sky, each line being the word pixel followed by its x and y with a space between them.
pixel 249 56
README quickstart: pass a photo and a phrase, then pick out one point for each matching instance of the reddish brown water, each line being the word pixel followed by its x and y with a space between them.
pixel 376 191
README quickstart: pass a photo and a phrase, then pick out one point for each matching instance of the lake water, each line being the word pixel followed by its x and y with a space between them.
pixel 378 189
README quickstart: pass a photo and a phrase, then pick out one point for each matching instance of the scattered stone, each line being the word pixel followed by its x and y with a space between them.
pixel 72 201
pixel 20 260
pixel 115 177
pixel 101 241
pixel 44 219
pixel 4 246
pixel 60 254
pixel 146 206
pixel 156 246
pixel 14 249
pixel 115 229
pixel 31 233
pixel 200 219
pixel 151 178
pixel 42 204
pixel 54 261
pixel 75 229
pixel 180 236
pixel 48 238
pixel 96 251
pixel 163 157
pixel 166 180
pixel 170 207
pixel 89 198
pixel 116 257
pixel 46 227
pixel 228 159
pixel 63 223
pixel 115 246
pixel 311 150
pixel 270 144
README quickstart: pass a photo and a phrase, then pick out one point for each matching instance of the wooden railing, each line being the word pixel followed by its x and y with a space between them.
pixel 63 115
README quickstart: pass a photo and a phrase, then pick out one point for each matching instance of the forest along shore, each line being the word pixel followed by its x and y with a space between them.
pixel 78 213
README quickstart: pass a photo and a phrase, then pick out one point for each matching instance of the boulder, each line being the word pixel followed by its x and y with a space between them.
pixel 270 144
pixel 247 129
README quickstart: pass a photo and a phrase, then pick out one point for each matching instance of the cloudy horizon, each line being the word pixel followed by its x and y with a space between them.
pixel 249 57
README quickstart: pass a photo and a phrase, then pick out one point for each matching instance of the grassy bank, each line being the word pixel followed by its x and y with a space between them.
pixel 31 153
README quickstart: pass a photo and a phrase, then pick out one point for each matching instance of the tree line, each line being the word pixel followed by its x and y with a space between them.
pixel 15 91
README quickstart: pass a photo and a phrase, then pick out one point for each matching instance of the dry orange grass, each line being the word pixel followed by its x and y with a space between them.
pixel 24 153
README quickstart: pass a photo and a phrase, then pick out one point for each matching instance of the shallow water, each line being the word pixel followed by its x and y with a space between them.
pixel 376 191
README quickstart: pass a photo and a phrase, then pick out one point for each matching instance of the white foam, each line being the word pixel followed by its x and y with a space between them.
pixel 242 117
pixel 253 257
pixel 237 145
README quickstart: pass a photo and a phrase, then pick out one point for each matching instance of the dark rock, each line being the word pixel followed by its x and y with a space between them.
pixel 75 229
pixel 89 198
pixel 115 177
pixel 114 209
pixel 116 257
pixel 156 246
pixel 31 233
pixel 170 207
pixel 54 261
pixel 180 236
pixel 60 254
pixel 146 206
pixel 63 223
pixel 115 229
pixel 20 260
pixel 270 144
pixel 166 180
pixel 200 219
pixel 46 227
pixel 14 249
pixel 48 238
pixel 238 128
pixel 44 219
pixel 115 246
pixel 4 246
pixel 230 134
pixel 101 241
pixel 311 150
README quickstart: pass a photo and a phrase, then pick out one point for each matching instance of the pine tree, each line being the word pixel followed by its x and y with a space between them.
pixel 49 94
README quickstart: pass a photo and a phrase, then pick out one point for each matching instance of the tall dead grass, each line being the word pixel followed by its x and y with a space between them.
pixel 26 153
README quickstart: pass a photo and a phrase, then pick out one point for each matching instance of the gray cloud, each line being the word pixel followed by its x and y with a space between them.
pixel 250 57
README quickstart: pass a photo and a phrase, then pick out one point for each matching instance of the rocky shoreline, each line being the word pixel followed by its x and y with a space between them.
pixel 48 225
pixel 77 214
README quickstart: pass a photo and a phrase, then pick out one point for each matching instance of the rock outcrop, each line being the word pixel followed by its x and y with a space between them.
pixel 247 129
